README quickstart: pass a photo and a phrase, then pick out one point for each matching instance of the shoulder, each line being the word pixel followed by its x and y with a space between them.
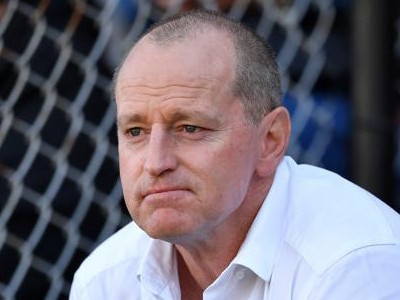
pixel 120 253
pixel 371 272
pixel 329 217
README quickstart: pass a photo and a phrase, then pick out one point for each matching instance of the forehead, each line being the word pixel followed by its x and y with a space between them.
pixel 207 57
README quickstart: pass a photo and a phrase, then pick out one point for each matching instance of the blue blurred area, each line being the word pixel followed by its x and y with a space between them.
pixel 127 11
pixel 336 155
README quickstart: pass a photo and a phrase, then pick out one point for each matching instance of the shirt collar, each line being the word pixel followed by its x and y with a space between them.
pixel 259 250
pixel 158 267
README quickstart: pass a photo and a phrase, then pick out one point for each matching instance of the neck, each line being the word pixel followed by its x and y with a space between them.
pixel 206 262
pixel 202 261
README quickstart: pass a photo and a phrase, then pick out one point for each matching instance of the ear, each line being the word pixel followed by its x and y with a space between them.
pixel 275 134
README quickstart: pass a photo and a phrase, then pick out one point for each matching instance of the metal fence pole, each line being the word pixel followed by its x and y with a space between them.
pixel 373 97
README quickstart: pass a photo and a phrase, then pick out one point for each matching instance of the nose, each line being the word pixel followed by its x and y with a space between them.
pixel 160 156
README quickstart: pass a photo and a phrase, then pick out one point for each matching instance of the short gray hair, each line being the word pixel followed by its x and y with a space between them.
pixel 256 80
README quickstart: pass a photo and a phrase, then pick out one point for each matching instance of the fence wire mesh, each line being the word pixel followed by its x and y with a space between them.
pixel 59 189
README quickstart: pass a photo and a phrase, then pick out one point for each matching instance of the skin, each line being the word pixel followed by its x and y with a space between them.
pixel 193 172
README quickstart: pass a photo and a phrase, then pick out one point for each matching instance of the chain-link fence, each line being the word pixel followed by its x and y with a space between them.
pixel 59 189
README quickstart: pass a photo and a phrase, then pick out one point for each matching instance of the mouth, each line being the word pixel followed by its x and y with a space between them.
pixel 165 194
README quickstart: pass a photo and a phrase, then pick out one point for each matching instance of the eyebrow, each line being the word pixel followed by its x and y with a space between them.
pixel 127 119
pixel 194 115
pixel 184 115
pixel 176 116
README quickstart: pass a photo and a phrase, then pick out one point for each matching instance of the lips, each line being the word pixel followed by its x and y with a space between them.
pixel 164 194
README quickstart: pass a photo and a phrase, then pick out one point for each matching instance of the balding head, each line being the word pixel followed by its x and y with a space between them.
pixel 256 80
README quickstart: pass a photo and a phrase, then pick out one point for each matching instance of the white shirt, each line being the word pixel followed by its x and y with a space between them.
pixel 317 236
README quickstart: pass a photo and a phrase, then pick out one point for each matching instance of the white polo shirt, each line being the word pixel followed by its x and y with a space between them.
pixel 317 236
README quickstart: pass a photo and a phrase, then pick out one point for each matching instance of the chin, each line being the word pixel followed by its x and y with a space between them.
pixel 173 235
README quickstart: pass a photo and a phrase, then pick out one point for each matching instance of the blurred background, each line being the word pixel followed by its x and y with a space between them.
pixel 60 195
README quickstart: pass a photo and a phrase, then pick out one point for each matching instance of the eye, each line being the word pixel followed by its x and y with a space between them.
pixel 135 131
pixel 190 128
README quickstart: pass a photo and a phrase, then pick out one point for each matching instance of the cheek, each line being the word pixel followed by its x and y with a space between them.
pixel 129 169
pixel 227 170
pixel 239 163
pixel 237 158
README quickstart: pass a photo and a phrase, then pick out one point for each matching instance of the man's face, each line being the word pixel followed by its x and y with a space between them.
pixel 187 158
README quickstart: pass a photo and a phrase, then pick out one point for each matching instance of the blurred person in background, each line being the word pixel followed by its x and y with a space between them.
pixel 219 211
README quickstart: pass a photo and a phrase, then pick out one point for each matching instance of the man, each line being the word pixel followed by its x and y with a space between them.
pixel 219 212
